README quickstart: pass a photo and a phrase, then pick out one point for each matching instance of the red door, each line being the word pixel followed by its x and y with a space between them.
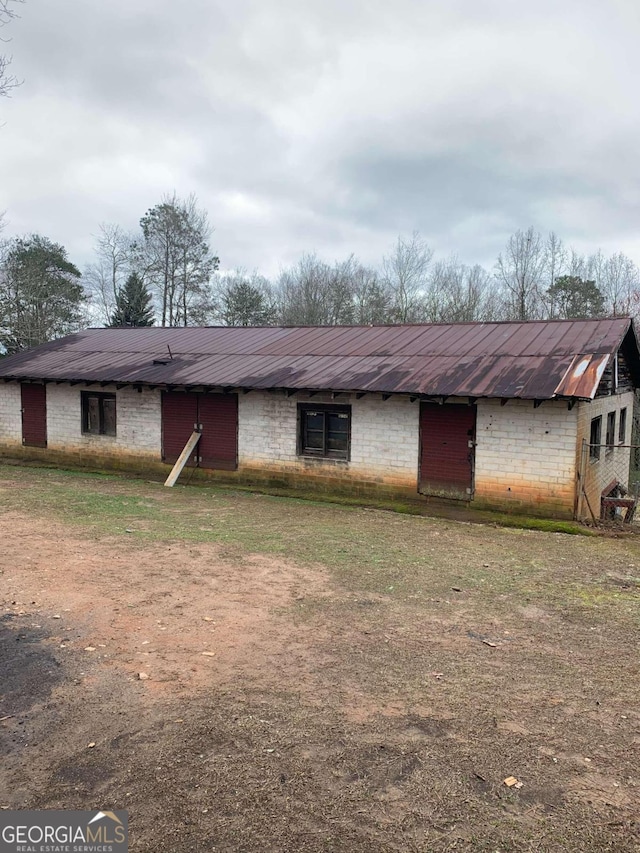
pixel 34 415
pixel 179 419
pixel 218 416
pixel 447 442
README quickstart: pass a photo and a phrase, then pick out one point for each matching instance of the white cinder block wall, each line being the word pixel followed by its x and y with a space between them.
pixel 613 463
pixel 10 414
pixel 384 437
pixel 137 418
pixel 526 456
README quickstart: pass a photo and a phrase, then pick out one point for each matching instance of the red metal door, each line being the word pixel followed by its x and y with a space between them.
pixel 447 443
pixel 34 415
pixel 218 415
pixel 179 417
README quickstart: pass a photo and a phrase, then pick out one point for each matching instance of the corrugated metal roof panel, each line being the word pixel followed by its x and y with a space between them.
pixel 583 376
pixel 536 360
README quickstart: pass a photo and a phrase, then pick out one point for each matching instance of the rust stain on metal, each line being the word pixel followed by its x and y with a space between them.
pixel 534 360
pixel 583 376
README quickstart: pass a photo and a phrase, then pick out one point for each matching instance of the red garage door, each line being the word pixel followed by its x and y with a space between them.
pixel 179 419
pixel 217 416
pixel 34 415
pixel 447 441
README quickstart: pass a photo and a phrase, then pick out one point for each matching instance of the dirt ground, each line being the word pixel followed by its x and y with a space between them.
pixel 245 673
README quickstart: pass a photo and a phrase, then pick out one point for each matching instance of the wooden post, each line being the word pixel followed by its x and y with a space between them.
pixel 181 461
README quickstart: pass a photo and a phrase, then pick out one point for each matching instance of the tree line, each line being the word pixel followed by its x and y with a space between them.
pixel 167 273
pixel 535 276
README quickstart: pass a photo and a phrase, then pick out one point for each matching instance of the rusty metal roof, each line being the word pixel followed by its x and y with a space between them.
pixel 533 360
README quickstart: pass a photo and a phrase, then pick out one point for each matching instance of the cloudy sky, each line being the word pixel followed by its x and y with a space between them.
pixel 327 125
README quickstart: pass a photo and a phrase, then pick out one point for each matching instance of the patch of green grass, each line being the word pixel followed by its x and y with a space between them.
pixel 403 558
pixel 548 525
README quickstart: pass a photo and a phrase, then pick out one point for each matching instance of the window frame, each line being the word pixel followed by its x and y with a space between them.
pixel 326 453
pixel 101 397
pixel 622 426
pixel 610 435
pixel 594 446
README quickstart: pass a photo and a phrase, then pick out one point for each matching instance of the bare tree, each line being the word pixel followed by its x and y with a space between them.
pixel 556 263
pixel 576 264
pixel 619 281
pixel 7 14
pixel 405 273
pixel 520 271
pixel 458 293
pixel 314 293
pixel 176 260
pixel 104 279
pixel 594 268
pixel 371 297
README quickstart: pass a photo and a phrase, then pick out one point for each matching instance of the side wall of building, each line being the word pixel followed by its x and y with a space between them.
pixel 384 439
pixel 384 443
pixel 526 456
pixel 609 463
pixel 137 417
pixel 526 460
pixel 138 427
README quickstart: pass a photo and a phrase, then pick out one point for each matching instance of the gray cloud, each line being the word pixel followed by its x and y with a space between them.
pixel 331 125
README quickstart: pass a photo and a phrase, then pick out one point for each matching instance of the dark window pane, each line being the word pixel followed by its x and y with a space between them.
pixel 622 427
pixel 314 440
pixel 594 437
pixel 314 420
pixel 109 416
pixel 93 415
pixel 338 423
pixel 611 430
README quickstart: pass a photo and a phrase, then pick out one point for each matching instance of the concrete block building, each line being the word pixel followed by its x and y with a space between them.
pixel 532 417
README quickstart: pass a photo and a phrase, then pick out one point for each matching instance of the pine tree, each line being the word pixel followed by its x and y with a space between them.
pixel 133 304
pixel 41 297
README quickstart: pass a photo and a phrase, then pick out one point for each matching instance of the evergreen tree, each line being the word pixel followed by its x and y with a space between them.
pixel 575 298
pixel 41 297
pixel 133 304
pixel 245 302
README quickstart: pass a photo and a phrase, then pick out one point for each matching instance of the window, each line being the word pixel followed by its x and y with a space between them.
pixel 98 413
pixel 324 431
pixel 622 427
pixel 611 431
pixel 594 438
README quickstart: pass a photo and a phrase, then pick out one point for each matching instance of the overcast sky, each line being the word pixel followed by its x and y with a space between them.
pixel 327 125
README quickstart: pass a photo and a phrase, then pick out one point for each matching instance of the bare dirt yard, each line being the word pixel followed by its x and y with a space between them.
pixel 250 673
